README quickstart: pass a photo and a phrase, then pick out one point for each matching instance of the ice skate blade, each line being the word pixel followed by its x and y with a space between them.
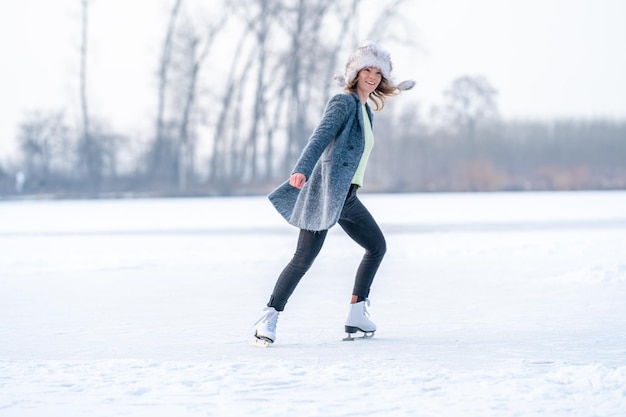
pixel 262 342
pixel 350 337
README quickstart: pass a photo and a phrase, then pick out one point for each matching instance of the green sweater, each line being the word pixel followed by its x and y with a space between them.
pixel 369 144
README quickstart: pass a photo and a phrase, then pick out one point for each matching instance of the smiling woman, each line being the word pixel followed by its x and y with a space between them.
pixel 322 189
pixel 367 82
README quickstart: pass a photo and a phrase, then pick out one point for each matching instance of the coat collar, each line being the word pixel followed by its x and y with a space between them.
pixel 360 113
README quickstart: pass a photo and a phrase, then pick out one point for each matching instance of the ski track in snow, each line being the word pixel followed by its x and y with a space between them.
pixel 487 305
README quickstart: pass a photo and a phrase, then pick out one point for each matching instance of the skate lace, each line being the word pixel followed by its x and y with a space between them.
pixel 270 316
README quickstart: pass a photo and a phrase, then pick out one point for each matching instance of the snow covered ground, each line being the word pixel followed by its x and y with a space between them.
pixel 486 304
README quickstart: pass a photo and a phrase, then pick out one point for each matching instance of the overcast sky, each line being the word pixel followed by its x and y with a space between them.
pixel 547 58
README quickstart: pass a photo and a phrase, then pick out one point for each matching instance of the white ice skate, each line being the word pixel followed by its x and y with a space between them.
pixel 358 321
pixel 265 327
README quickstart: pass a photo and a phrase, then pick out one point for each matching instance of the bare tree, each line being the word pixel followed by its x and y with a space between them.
pixel 218 163
pixel 470 101
pixel 261 30
pixel 235 155
pixel 160 152
pixel 255 42
pixel 83 69
pixel 88 147
pixel 196 50
pixel 304 24
pixel 45 145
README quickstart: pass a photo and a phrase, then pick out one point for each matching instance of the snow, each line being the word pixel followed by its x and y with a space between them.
pixel 504 304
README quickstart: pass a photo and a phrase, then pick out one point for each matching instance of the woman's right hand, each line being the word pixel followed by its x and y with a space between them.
pixel 297 180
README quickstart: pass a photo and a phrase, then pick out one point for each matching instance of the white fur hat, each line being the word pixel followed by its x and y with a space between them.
pixel 370 55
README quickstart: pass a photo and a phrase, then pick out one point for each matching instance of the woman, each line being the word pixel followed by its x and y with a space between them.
pixel 322 189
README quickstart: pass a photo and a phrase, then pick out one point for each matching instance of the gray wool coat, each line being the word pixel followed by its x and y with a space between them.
pixel 329 162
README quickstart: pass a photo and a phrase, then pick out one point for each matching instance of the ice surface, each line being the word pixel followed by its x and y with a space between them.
pixel 486 305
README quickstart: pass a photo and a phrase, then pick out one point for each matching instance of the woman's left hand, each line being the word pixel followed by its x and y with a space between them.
pixel 297 180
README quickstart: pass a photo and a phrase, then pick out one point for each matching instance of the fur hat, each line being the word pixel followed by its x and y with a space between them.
pixel 370 55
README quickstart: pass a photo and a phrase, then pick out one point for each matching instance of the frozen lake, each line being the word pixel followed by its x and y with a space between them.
pixel 504 304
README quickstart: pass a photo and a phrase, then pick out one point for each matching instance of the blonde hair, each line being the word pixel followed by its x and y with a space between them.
pixel 379 96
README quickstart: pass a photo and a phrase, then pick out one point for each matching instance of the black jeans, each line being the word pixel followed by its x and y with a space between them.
pixel 359 224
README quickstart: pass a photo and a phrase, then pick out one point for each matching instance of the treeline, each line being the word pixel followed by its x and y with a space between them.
pixel 465 146
pixel 505 156
pixel 409 156
pixel 239 87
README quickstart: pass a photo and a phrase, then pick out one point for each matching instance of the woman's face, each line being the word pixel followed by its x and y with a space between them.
pixel 368 80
